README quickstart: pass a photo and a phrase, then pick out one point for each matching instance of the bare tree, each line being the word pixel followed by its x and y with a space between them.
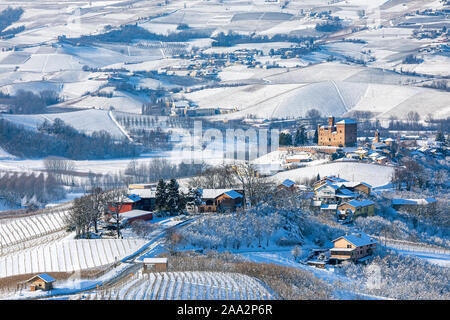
pixel 115 201
pixel 60 167
pixel 79 217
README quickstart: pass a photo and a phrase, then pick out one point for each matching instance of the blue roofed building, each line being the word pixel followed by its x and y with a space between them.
pixel 356 247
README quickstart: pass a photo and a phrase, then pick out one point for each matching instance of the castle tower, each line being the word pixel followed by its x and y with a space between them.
pixel 377 137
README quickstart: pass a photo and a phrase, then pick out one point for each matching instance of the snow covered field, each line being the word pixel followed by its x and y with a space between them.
pixel 375 175
pixel 68 256
pixel 24 229
pixel 186 286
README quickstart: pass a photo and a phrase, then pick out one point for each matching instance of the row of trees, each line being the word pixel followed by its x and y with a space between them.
pixel 8 17
pixel 168 197
pixel 60 139
pixel 29 190
pixel 156 169
pixel 409 173
pixel 86 212
pixel 300 137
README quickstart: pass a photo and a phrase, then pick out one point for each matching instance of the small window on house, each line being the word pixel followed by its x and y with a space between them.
pixel 349 246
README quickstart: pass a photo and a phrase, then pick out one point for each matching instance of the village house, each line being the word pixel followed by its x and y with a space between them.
pixel 408 204
pixel 154 265
pixel 140 197
pixel 340 134
pixel 299 157
pixel 359 187
pixel 356 208
pixel 220 200
pixel 356 247
pixel 41 281
pixel 329 192
pixel 133 215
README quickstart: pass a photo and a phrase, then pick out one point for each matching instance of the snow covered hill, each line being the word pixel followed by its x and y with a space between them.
pixel 375 175
pixel 187 286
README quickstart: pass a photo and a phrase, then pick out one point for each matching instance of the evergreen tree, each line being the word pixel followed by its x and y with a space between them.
pixel 285 139
pixel 300 136
pixel 440 137
pixel 161 196
pixel 173 196
pixel 316 136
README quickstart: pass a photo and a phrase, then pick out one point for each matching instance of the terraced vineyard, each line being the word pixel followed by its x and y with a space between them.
pixel 185 286
pixel 17 233
pixel 68 256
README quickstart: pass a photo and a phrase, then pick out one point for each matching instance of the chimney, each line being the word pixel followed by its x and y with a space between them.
pixel 330 121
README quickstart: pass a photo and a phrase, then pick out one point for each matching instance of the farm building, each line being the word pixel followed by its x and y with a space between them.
pixel 146 195
pixel 340 134
pixel 130 203
pixel 357 208
pixel 360 187
pixel 287 185
pixel 41 281
pixel 133 215
pixel 399 204
pixel 352 247
pixel 299 157
pixel 155 264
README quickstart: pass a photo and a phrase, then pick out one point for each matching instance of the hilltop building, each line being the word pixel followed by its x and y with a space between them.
pixel 338 134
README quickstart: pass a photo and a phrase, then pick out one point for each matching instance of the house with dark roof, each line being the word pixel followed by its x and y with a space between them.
pixel 338 134
pixel 412 203
pixel 333 192
pixel 354 247
pixel 359 187
pixel 287 185
pixel 357 208
pixel 220 200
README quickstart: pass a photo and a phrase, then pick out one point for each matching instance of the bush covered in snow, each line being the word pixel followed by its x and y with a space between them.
pixel 287 283
pixel 258 226
pixel 400 277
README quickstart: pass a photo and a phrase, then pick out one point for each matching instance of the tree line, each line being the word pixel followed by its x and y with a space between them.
pixel 60 139
pixel 27 102
pixel 8 17
pixel 29 190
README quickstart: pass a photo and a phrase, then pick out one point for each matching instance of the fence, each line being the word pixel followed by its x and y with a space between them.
pixel 411 246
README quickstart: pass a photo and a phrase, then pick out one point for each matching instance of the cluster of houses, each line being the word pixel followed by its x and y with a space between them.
pixel 185 108
pixel 208 65
pixel 344 198
pixel 141 202
pixel 375 149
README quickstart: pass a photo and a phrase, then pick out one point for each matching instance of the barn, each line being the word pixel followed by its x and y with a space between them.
pixel 155 264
